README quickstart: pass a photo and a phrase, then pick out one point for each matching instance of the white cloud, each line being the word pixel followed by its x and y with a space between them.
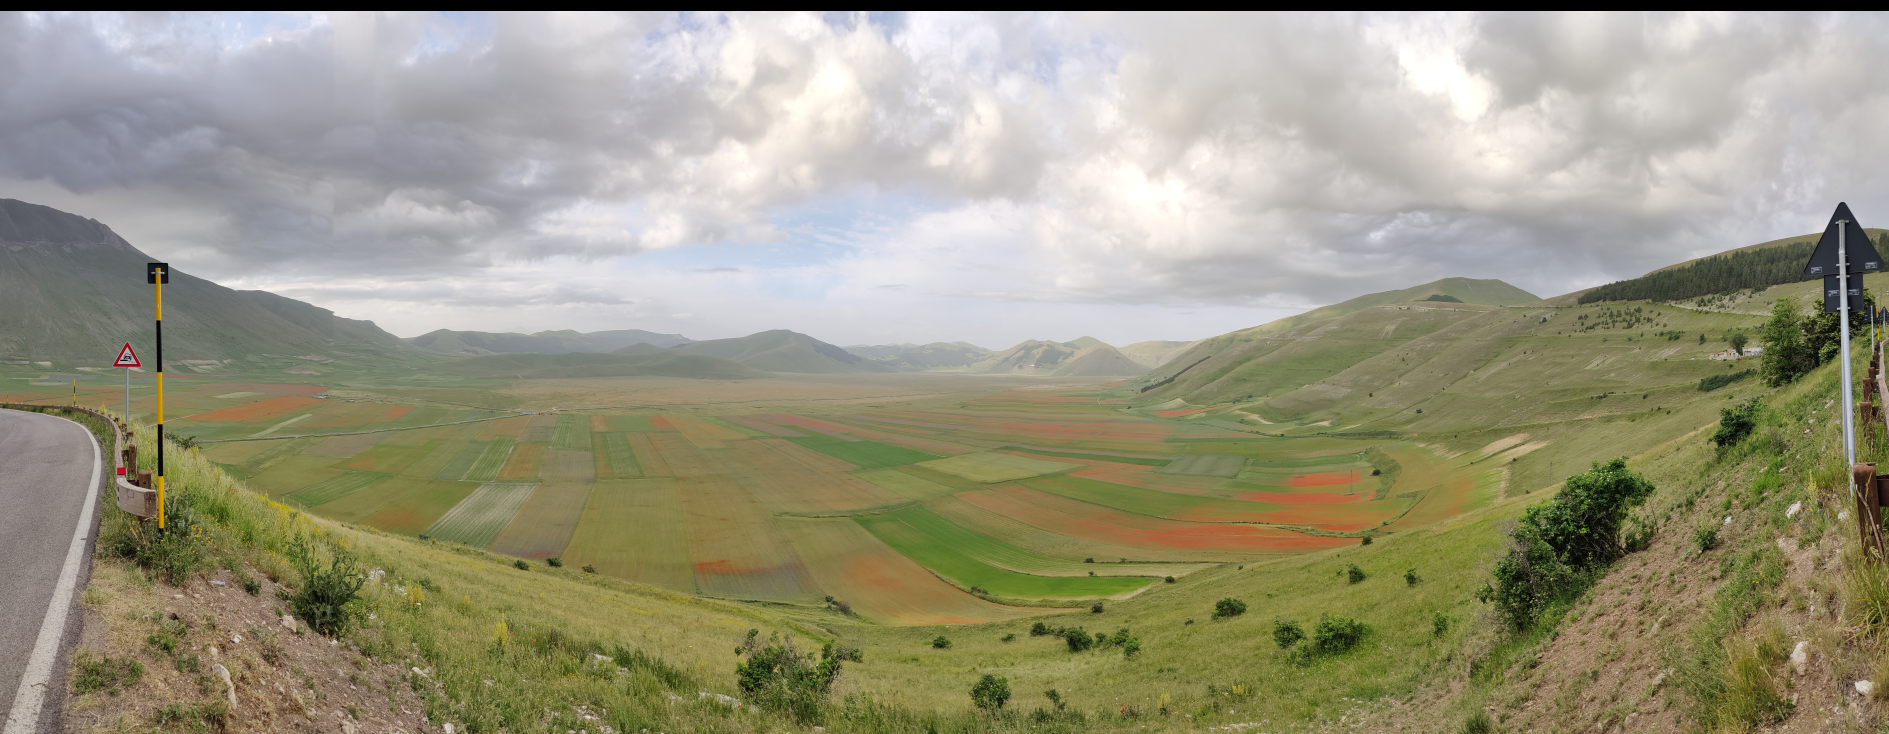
pixel 1070 173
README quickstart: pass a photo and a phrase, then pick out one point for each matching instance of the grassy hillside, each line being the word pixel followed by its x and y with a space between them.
pixel 781 350
pixel 71 290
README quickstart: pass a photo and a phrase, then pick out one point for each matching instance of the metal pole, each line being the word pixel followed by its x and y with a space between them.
pixel 127 396
pixel 158 285
pixel 1843 329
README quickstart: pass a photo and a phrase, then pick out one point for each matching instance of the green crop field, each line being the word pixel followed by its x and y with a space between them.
pixel 942 555
pixel 336 488
pixel 491 459
pixel 1137 460
pixel 990 468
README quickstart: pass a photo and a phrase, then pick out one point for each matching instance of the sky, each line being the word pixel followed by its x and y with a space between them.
pixel 890 178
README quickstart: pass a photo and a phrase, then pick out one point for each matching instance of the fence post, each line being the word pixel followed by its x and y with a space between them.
pixel 1868 507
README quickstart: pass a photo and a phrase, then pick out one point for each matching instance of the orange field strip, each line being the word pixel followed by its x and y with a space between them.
pixel 1094 522
pixel 847 562
pixel 259 410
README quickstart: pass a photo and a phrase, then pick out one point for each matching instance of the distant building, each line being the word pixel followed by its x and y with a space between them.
pixel 1729 354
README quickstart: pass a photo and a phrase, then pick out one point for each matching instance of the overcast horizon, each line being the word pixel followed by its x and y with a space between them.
pixel 921 177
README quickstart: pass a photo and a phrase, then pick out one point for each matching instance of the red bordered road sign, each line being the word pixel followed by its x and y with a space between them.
pixel 127 358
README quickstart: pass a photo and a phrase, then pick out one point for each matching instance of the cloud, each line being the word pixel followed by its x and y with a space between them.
pixel 983 166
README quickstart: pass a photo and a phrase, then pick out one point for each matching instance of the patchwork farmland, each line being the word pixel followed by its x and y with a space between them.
pixel 965 507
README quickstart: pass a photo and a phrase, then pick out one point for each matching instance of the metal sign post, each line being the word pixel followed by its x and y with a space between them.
pixel 127 359
pixel 1836 261
pixel 157 274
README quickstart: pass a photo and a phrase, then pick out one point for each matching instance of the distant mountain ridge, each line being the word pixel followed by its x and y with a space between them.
pixel 780 350
pixel 1084 357
pixel 561 341
pixel 73 291
pixel 917 358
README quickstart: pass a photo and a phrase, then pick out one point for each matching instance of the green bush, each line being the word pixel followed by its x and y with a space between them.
pixel 1439 624
pixel 1228 607
pixel 1479 722
pixel 172 554
pixel 589 568
pixel 1557 547
pixel 990 692
pixel 1286 633
pixel 1039 630
pixel 1077 639
pixel 1354 574
pixel 324 595
pixel 941 642
pixel 1411 578
pixel 521 565
pixel 554 562
pixel 1706 538
pixel 1095 608
pixel 1715 382
pixel 1735 423
pixel 779 678
pixel 1335 634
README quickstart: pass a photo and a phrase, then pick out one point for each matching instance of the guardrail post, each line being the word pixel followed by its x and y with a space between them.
pixel 1868 507
pixel 144 479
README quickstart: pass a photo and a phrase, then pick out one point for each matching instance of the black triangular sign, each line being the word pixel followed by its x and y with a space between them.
pixel 1862 253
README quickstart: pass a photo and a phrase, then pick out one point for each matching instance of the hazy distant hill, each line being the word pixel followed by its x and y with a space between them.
pixel 664 362
pixel 73 291
pixel 562 341
pixel 1156 353
pixel 1037 357
pixel 917 358
pixel 781 350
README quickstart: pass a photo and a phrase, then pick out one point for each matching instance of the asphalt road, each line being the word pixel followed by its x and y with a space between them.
pixel 48 468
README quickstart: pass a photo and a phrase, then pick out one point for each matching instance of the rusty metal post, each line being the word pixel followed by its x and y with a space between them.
pixel 1868 506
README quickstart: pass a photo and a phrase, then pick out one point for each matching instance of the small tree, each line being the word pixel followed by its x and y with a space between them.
pixel 1228 607
pixel 1287 632
pixel 1335 634
pixel 1786 354
pixel 1735 423
pixel 990 692
pixel 776 676
pixel 1738 342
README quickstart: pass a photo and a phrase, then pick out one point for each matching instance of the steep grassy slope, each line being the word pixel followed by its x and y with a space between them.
pixel 1156 353
pixel 71 289
pixel 781 350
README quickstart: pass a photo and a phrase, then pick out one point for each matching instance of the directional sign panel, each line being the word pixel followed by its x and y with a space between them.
pixel 153 271
pixel 1863 257
pixel 1830 288
pixel 127 358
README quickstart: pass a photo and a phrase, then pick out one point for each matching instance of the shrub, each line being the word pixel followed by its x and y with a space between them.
pixel 1039 629
pixel 1095 608
pixel 1335 634
pixel 1411 578
pixel 173 554
pixel 323 598
pixel 941 642
pixel 843 651
pixel 521 565
pixel 1714 382
pixel 1479 722
pixel 1012 637
pixel 778 677
pixel 1170 579
pixel 1131 648
pixel 1077 639
pixel 1354 574
pixel 1286 633
pixel 1439 624
pixel 990 692
pixel 554 562
pixel 1706 538
pixel 1582 522
pixel 1735 423
pixel 1228 607
pixel 1367 540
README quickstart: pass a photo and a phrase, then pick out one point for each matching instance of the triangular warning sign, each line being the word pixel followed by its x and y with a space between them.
pixel 127 358
pixel 1861 252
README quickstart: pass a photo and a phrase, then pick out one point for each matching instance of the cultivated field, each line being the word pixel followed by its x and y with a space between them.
pixel 916 499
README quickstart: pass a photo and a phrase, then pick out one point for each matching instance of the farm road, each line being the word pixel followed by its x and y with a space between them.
pixel 49 468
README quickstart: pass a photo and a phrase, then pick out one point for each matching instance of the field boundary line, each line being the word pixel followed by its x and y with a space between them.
pixel 353 433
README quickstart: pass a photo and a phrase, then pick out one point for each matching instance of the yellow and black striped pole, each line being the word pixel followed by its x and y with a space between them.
pixel 158 274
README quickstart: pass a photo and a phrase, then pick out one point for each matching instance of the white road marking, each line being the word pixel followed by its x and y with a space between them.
pixel 24 717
